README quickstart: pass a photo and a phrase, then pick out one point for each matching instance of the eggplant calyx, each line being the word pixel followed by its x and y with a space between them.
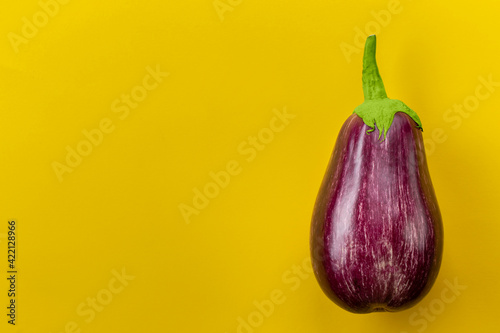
pixel 377 109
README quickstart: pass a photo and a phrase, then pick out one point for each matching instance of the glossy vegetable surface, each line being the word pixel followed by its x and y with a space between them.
pixel 376 233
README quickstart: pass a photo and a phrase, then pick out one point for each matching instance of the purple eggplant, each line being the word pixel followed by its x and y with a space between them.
pixel 376 232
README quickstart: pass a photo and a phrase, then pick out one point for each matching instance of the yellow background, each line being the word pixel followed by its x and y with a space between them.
pixel 119 209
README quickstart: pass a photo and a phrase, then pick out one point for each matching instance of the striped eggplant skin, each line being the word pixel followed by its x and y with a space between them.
pixel 376 234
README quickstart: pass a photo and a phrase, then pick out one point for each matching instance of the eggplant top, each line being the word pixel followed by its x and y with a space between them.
pixel 378 110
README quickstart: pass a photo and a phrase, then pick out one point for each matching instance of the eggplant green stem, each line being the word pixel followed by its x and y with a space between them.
pixel 378 110
pixel 373 87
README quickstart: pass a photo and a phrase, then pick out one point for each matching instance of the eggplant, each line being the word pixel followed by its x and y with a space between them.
pixel 376 236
